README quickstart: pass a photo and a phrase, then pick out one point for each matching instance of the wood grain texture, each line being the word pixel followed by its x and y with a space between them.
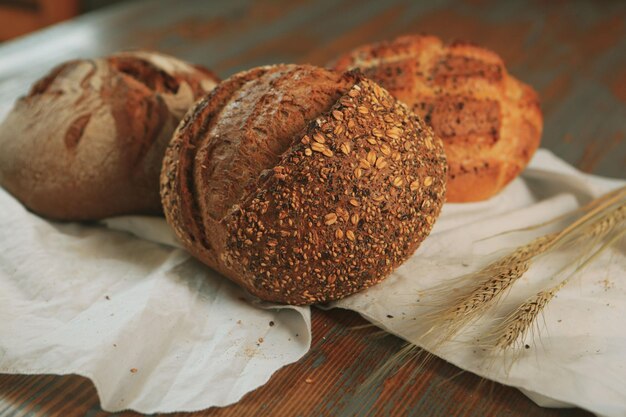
pixel 573 53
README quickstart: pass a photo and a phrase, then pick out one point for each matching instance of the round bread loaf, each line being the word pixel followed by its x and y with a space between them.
pixel 490 123
pixel 301 184
pixel 88 141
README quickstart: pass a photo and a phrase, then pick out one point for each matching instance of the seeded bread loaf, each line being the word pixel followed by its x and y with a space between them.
pixel 88 141
pixel 300 184
pixel 490 122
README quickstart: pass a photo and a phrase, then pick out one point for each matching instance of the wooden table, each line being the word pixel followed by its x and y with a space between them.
pixel 574 54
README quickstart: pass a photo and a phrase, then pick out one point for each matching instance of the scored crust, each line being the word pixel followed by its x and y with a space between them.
pixel 490 122
pixel 88 140
pixel 351 189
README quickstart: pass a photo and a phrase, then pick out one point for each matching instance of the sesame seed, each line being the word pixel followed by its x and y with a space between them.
pixel 346 102
pixel 318 137
pixel 330 218
pixel 377 90
pixel 428 143
pixel 317 146
pixel 371 157
pixel 394 133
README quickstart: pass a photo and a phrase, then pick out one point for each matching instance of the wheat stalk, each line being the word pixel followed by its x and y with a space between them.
pixel 494 281
pixel 599 218
pixel 605 200
pixel 516 326
pixel 605 224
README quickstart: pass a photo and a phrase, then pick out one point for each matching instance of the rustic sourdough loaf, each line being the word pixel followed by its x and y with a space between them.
pixel 88 141
pixel 301 184
pixel 490 123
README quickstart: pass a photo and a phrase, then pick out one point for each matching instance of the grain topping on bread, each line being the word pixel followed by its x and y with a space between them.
pixel 301 184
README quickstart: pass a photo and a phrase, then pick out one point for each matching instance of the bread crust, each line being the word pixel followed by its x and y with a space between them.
pixel 490 122
pixel 353 184
pixel 87 142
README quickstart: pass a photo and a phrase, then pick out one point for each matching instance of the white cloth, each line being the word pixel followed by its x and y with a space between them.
pixel 155 330
pixel 158 332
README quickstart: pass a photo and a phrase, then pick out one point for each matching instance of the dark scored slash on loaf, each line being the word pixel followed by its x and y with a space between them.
pixel 490 122
pixel 314 184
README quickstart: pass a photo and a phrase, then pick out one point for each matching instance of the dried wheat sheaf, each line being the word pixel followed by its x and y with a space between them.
pixel 592 229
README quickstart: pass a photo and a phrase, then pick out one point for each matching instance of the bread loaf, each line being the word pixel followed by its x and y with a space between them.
pixel 300 184
pixel 490 123
pixel 88 141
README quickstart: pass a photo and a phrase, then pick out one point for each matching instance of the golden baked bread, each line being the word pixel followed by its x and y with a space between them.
pixel 301 184
pixel 88 140
pixel 490 122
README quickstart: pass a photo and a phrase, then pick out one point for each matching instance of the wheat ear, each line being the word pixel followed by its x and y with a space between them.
pixel 516 326
pixel 595 224
pixel 496 279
